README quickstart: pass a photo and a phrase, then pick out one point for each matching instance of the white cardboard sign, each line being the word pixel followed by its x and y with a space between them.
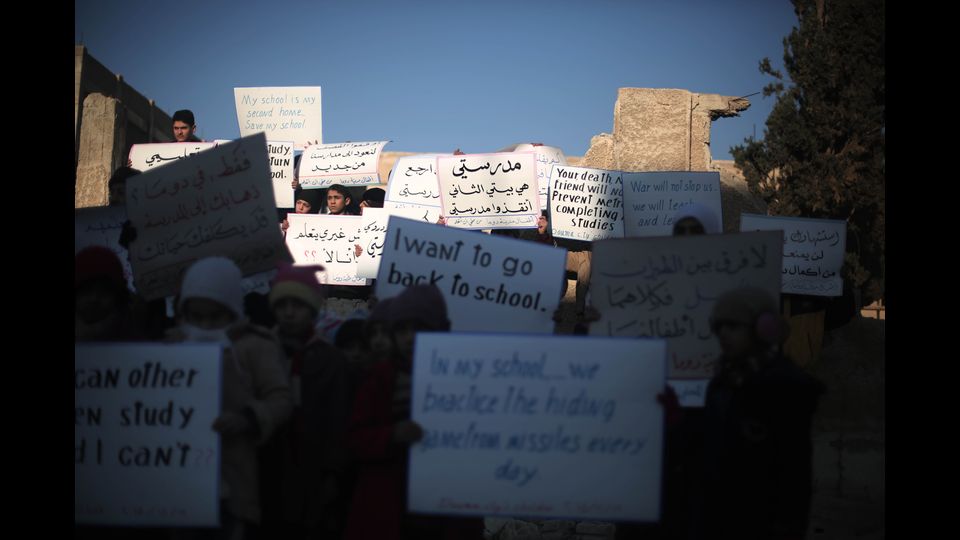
pixel 813 252
pixel 665 287
pixel 283 113
pixel 373 232
pixel 586 204
pixel 145 157
pixel 537 426
pixel 327 240
pixel 650 199
pixel 347 164
pixel 489 191
pixel 490 283
pixel 217 203
pixel 146 454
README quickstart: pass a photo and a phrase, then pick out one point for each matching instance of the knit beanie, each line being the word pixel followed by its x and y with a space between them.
pixel 298 282
pixel 214 278
pixel 98 262
pixel 374 197
pixel 311 196
pixel 421 303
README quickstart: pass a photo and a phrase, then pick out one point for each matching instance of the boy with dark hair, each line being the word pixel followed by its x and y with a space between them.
pixel 184 127
pixel 339 201
pixel 305 467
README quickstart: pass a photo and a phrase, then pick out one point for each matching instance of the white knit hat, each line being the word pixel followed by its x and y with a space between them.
pixel 214 278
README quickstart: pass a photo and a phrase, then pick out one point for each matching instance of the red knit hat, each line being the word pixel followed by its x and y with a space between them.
pixel 97 262
pixel 298 282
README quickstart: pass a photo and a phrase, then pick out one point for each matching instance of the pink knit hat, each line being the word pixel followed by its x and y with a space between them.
pixel 298 282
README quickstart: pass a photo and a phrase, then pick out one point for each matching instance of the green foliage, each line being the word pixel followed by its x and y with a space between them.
pixel 822 154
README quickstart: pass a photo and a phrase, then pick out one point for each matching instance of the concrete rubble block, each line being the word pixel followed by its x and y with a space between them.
pixel 99 149
pixel 557 530
pixel 600 153
pixel 651 129
pixel 519 530
pixel 700 158
pixel 596 530
pixel 735 196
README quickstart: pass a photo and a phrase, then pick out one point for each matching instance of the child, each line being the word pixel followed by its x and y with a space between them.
pixel 255 391
pixel 757 469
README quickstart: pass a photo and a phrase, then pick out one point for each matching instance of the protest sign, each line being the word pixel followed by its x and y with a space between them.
pixel 280 154
pixel 413 181
pixel 282 113
pixel 347 164
pixel 650 199
pixel 101 226
pixel 537 426
pixel 145 452
pixel 665 288
pixel 329 241
pixel 813 252
pixel 145 157
pixel 218 203
pixel 413 185
pixel 490 283
pixel 489 191
pixel 547 157
pixel 586 204
pixel 373 231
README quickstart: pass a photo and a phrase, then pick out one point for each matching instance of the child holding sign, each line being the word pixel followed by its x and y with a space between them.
pixel 381 431
pixel 256 392
pixel 758 451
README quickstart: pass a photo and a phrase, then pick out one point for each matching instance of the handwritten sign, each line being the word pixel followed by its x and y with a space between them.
pixel 650 199
pixel 547 157
pixel 373 232
pixel 489 191
pixel 666 287
pixel 430 214
pixel 586 204
pixel 813 252
pixel 281 171
pixel 219 202
pixel 144 157
pixel 537 426
pixel 328 240
pixel 283 113
pixel 101 226
pixel 690 392
pixel 257 283
pixel 348 164
pixel 413 180
pixel 145 452
pixel 490 283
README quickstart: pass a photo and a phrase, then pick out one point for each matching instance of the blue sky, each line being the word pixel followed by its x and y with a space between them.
pixel 434 76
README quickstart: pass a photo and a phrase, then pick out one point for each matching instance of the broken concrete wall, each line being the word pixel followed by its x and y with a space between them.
pixel 100 150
